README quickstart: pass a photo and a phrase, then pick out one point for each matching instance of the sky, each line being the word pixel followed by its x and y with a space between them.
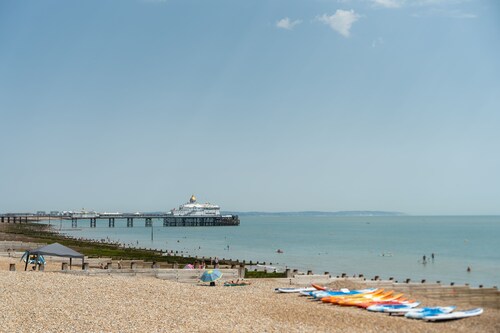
pixel 277 105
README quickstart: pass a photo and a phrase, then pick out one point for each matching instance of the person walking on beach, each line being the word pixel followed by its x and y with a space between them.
pixel 216 262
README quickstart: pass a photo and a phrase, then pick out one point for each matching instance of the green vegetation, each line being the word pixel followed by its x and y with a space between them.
pixel 40 233
pixel 260 274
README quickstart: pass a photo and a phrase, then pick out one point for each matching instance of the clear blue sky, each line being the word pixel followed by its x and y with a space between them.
pixel 282 105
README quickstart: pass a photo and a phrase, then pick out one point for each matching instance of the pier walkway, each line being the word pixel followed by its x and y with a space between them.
pixel 167 219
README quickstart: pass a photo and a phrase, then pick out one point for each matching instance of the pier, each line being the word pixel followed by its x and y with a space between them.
pixel 167 219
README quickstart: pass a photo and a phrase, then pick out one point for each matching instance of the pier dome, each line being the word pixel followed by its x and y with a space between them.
pixel 192 199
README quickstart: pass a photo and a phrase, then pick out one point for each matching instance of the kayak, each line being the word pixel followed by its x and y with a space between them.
pixel 390 305
pixel 294 290
pixel 389 296
pixel 453 315
pixel 397 301
pixel 337 298
pixel 318 287
pixel 430 311
pixel 318 294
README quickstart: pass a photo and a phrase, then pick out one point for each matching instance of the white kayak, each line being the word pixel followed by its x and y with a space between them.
pixel 294 290
pixel 454 315
pixel 403 307
pixel 420 313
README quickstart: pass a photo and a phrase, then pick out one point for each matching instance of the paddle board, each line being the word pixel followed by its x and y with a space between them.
pixel 454 315
pixel 294 290
pixel 400 306
pixel 419 313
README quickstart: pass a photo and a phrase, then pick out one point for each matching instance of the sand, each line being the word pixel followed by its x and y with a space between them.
pixel 48 301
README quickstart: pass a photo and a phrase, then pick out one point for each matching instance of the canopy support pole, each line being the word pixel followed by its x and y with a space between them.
pixel 70 259
pixel 27 259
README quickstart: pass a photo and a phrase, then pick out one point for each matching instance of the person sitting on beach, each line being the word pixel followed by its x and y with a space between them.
pixel 238 282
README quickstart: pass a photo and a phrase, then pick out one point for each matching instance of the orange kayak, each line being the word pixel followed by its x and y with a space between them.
pixel 385 297
pixel 393 302
pixel 337 298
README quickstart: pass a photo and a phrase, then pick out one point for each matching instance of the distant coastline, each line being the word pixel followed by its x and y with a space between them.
pixel 320 213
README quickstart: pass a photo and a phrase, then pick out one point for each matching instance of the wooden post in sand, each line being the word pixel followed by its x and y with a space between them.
pixel 64 266
pixel 241 271
pixel 12 267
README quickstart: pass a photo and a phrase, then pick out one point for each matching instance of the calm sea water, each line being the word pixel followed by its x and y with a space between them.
pixel 391 246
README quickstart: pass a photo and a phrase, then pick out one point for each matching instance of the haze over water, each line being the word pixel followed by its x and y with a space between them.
pixel 389 246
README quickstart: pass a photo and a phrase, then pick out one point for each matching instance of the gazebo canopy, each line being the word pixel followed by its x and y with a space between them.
pixel 57 250
pixel 54 249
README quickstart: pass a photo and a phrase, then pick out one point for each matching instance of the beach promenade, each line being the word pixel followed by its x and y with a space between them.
pixel 49 301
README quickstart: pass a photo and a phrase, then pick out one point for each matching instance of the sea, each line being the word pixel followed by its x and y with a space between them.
pixel 457 249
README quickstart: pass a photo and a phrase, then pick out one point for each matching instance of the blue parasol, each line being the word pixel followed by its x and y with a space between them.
pixel 211 275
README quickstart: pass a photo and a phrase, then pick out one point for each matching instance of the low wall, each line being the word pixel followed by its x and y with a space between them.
pixel 442 294
pixel 18 246
pixel 179 275
pixel 452 295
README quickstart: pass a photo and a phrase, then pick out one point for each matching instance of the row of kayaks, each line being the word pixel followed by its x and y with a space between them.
pixel 379 300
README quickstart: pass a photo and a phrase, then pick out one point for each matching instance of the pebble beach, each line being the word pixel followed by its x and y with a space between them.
pixel 49 301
